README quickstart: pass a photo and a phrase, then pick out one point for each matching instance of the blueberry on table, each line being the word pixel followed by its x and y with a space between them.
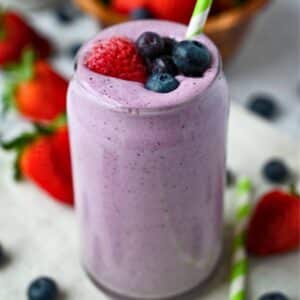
pixel 164 64
pixel 150 45
pixel 141 13
pixel 274 296
pixel 43 288
pixel 162 83
pixel 276 171
pixel 264 106
pixel 192 58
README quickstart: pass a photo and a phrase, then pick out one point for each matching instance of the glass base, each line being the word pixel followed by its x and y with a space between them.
pixel 190 294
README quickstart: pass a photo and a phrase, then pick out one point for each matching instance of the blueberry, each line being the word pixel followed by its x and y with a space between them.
pixel 263 105
pixel 274 296
pixel 164 64
pixel 140 14
pixel 150 45
pixel 162 83
pixel 230 178
pixel 169 45
pixel 276 171
pixel 43 288
pixel 73 50
pixel 192 58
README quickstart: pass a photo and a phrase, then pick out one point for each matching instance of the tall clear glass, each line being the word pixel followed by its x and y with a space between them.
pixel 149 175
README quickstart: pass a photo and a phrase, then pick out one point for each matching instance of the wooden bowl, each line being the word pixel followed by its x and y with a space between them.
pixel 227 29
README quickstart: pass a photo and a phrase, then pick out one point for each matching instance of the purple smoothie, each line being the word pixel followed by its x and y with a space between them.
pixel 149 174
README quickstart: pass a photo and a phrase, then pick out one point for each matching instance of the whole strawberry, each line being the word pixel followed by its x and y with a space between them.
pixel 16 35
pixel 275 224
pixel 35 89
pixel 128 66
pixel 44 157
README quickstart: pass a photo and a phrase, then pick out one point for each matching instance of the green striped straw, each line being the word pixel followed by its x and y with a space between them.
pixel 240 261
pixel 199 18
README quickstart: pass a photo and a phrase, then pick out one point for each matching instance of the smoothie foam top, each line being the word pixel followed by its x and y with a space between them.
pixel 120 93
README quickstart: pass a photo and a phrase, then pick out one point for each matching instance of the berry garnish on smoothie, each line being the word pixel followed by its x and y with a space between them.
pixel 152 60
pixel 117 57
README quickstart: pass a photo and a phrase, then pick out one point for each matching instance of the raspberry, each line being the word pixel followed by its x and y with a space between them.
pixel 117 57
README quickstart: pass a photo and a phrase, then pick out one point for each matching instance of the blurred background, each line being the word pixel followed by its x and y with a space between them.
pixel 259 41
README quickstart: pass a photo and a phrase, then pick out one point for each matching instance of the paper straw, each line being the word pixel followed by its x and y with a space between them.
pixel 240 261
pixel 199 18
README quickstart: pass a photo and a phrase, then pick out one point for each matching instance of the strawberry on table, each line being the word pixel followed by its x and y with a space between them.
pixel 35 89
pixel 44 157
pixel 275 225
pixel 16 35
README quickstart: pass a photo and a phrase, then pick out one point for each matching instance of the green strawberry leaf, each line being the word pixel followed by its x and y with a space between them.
pixel 23 71
pixel 18 176
pixel 27 63
pixel 61 120
pixel 8 97
pixel 18 145
pixel 43 129
pixel 19 142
